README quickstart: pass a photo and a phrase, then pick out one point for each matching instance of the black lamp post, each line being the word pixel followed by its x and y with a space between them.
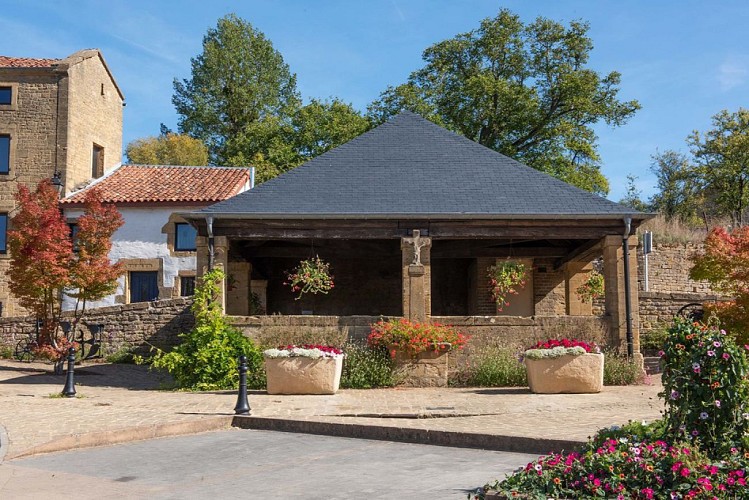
pixel 57 183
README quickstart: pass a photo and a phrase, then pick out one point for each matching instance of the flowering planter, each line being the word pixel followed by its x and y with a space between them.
pixel 425 369
pixel 301 375
pixel 568 374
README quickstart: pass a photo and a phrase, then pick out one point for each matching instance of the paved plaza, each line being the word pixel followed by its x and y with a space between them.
pixel 122 403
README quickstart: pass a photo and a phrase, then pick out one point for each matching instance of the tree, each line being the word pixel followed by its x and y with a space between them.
pixel 240 93
pixel 632 197
pixel 167 149
pixel 725 265
pixel 678 194
pixel 522 90
pixel 722 157
pixel 41 254
pixel 43 264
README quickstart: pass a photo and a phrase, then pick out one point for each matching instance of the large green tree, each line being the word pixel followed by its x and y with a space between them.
pixel 679 195
pixel 242 101
pixel 522 90
pixel 239 94
pixel 722 162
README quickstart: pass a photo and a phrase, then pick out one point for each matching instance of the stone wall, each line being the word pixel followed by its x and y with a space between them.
pixel 138 325
pixel 668 270
pixel 658 309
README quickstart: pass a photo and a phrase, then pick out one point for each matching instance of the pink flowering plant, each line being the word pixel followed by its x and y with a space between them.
pixel 705 387
pixel 314 351
pixel 413 338
pixel 310 276
pixel 505 279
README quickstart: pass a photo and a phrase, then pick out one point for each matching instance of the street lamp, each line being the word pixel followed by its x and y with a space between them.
pixel 57 183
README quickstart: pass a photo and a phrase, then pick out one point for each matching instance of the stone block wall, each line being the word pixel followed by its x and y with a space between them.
pixel 94 114
pixel 658 309
pixel 134 325
pixel 668 270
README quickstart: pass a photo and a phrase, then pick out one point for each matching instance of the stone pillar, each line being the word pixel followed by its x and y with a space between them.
pixel 221 261
pixel 613 275
pixel 417 277
pixel 575 274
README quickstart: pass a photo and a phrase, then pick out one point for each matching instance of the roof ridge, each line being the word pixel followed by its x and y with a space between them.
pixel 215 167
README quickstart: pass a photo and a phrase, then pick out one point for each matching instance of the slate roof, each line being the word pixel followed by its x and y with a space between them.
pixel 410 167
pixel 166 184
pixel 26 62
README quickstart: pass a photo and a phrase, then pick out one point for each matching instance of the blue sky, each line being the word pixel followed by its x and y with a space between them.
pixel 683 60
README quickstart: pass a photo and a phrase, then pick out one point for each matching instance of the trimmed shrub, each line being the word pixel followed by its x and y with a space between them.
pixel 366 368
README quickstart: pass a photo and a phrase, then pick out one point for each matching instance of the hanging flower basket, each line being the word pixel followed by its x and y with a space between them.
pixel 591 289
pixel 310 276
pixel 505 279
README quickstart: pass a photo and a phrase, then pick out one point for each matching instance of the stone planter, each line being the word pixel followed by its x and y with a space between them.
pixel 567 374
pixel 300 375
pixel 426 369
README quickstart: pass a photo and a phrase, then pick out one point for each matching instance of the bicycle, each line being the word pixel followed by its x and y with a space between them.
pixel 89 336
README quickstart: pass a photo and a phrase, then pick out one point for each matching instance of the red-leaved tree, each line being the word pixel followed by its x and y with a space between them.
pixel 725 265
pixel 43 265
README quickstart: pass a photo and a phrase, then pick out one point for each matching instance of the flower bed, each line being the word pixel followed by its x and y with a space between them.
pixel 564 366
pixel 306 369
pixel 419 350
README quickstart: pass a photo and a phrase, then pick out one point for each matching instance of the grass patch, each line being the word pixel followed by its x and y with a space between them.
pixel 618 370
pixel 58 395
pixel 366 368
pixel 490 367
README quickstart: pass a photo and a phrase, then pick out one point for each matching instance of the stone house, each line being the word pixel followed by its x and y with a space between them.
pixel 410 216
pixel 57 116
pixel 156 246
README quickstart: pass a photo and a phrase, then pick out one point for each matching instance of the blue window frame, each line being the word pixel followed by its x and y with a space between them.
pixel 3 233
pixel 144 286
pixel 6 95
pixel 184 237
pixel 4 154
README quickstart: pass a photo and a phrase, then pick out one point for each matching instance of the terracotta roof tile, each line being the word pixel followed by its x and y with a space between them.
pixel 167 184
pixel 26 62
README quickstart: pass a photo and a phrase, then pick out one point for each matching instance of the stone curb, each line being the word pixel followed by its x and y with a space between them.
pixel 3 443
pixel 517 444
pixel 119 436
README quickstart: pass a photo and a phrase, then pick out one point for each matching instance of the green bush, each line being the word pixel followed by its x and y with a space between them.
pixel 705 387
pixel 491 367
pixel 6 352
pixel 654 339
pixel 619 370
pixel 123 355
pixel 365 368
pixel 207 357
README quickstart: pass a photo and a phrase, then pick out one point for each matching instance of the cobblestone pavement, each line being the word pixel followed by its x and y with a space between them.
pixel 119 403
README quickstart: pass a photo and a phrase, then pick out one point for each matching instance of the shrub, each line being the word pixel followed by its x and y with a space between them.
pixel 491 367
pixel 365 368
pixel 654 339
pixel 414 338
pixel 123 355
pixel 207 357
pixel 705 387
pixel 619 370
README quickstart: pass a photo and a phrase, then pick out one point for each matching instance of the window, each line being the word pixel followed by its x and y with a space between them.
pixel 97 161
pixel 184 237
pixel 187 286
pixel 4 154
pixel 144 286
pixel 74 235
pixel 3 233
pixel 6 96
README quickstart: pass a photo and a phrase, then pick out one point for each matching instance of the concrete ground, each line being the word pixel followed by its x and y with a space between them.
pixel 122 403
pixel 257 464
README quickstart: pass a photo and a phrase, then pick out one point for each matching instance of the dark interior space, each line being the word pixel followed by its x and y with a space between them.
pixel 366 275
pixel 450 286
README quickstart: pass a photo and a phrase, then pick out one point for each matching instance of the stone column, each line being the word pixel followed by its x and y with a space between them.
pixel 220 261
pixel 613 275
pixel 417 277
pixel 238 289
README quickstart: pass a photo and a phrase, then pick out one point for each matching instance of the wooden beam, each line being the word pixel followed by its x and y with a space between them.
pixel 585 252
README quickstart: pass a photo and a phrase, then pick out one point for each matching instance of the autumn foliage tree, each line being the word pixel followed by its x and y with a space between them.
pixel 725 265
pixel 43 264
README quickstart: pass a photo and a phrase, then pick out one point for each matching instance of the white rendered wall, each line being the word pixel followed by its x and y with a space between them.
pixel 140 237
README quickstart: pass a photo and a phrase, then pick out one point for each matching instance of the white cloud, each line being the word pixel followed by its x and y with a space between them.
pixel 732 73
